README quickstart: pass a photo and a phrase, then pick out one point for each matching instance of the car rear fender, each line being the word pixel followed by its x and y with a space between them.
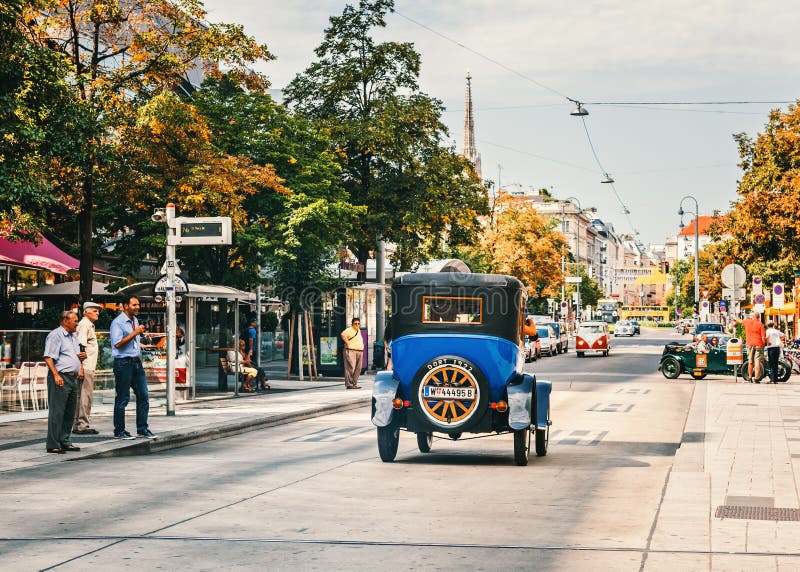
pixel 520 401
pixel 384 390
pixel 543 389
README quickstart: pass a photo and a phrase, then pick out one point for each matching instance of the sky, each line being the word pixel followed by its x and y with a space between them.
pixel 527 57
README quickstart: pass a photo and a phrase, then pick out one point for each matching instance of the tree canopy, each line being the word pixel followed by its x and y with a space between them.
pixel 518 241
pixel 417 192
pixel 765 220
pixel 120 54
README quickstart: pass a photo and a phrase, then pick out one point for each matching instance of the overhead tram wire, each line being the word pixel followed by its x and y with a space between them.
pixel 487 58
pixel 531 80
pixel 777 102
pixel 542 157
pixel 625 209
pixel 580 103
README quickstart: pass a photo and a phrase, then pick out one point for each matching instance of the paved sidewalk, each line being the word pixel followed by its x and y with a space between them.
pixel 731 501
pixel 22 436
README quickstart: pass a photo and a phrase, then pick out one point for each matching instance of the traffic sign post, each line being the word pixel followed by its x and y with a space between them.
pixel 733 276
pixel 184 231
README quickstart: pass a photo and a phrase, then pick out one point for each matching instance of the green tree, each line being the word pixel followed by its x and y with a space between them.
pixel 520 242
pixel 765 220
pixel 38 119
pixel 170 158
pixel 293 234
pixel 121 53
pixel 418 193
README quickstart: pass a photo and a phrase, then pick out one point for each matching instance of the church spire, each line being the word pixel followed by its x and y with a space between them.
pixel 469 151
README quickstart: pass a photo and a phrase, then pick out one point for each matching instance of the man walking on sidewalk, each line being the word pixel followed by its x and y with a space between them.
pixel 774 337
pixel 754 340
pixel 63 358
pixel 353 350
pixel 128 371
pixel 87 341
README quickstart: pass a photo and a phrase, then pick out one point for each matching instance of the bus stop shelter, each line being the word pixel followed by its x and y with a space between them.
pixel 210 329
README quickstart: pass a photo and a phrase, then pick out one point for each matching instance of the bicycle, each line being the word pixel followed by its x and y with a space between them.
pixel 784 370
pixel 793 356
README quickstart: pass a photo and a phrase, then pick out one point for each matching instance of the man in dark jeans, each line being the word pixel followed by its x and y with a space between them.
pixel 774 338
pixel 128 371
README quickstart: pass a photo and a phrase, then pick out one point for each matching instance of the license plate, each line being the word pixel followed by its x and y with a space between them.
pixel 448 392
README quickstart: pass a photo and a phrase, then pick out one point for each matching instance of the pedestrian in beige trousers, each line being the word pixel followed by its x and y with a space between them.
pixel 353 350
pixel 87 338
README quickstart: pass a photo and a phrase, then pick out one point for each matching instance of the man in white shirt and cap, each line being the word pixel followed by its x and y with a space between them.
pixel 774 338
pixel 87 338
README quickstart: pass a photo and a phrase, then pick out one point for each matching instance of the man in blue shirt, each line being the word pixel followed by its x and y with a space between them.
pixel 128 371
pixel 63 358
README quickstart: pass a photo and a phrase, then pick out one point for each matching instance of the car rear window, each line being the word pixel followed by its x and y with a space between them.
pixel 452 310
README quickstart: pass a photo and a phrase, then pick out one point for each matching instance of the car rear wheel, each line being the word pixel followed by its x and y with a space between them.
pixel 424 442
pixel 450 393
pixel 671 368
pixel 522 446
pixel 388 441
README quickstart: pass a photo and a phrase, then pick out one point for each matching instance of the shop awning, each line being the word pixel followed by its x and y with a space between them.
pixel 63 290
pixel 42 256
pixel 786 310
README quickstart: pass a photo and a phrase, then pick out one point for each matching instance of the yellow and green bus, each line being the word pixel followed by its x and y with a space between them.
pixel 661 313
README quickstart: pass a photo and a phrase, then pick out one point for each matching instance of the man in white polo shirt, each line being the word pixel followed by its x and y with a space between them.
pixel 87 340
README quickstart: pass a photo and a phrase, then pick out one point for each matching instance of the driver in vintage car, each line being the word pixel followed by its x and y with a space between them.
pixel 702 345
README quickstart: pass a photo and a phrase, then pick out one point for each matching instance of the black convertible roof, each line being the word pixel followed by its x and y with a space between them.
pixel 458 279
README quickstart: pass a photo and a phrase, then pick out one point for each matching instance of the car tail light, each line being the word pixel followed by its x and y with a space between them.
pixel 397 403
pixel 502 406
pixel 406 403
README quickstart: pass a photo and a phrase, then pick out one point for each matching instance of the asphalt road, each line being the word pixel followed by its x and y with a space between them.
pixel 314 495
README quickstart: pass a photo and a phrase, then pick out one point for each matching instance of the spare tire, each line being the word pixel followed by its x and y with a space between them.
pixel 449 393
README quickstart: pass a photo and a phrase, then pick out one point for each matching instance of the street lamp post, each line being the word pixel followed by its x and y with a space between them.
pixel 696 248
pixel 577 246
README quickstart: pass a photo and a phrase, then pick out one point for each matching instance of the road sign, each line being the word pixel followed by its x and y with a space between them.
pixel 200 230
pixel 777 295
pixel 722 305
pixel 759 308
pixel 727 293
pixel 733 276
pixel 759 299
pixel 758 286
pixel 574 279
pixel 160 286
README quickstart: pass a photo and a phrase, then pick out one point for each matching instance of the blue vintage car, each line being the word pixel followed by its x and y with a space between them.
pixel 458 355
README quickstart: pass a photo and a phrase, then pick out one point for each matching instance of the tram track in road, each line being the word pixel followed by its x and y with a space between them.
pixel 115 539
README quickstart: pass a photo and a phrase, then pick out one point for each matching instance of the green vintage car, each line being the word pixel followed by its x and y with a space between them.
pixel 678 358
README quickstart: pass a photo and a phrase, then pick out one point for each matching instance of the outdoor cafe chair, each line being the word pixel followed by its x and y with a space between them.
pixel 39 386
pixel 24 382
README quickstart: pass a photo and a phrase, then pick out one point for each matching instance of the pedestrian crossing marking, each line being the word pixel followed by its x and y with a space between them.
pixel 610 408
pixel 581 438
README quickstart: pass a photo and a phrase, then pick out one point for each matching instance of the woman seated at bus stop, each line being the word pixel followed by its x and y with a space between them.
pixel 244 367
